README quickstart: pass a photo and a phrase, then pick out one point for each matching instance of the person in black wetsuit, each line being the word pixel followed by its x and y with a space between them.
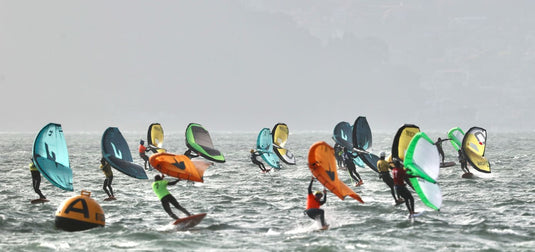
pixel 438 143
pixel 159 186
pixel 383 167
pixel 338 154
pixel 254 155
pixel 348 160
pixel 399 175
pixel 106 169
pixel 36 180
pixel 464 163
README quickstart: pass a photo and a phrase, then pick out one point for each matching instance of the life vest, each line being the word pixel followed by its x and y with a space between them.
pixel 399 174
pixel 142 149
pixel 312 202
pixel 383 166
pixel 160 188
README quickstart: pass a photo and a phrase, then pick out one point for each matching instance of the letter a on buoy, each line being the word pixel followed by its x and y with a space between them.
pixel 80 213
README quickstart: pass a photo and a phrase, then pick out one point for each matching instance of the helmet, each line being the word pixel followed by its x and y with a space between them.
pixel 318 192
pixel 157 177
pixel 382 154
pixel 252 150
pixel 141 142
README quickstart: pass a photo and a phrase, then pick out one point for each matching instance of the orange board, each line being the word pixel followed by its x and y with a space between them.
pixel 179 166
pixel 322 164
pixel 189 221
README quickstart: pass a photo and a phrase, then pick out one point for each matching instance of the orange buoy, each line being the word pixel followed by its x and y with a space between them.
pixel 79 213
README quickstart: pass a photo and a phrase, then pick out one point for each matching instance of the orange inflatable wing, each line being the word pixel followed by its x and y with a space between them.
pixel 322 164
pixel 178 166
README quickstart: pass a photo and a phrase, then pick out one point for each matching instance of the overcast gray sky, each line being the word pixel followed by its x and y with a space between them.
pixel 245 65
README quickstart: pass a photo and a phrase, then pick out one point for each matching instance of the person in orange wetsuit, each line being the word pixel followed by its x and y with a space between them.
pixel 142 151
pixel 314 201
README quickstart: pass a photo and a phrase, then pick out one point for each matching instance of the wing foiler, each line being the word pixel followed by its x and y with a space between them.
pixel 179 166
pixel 155 137
pixel 115 151
pixel 264 144
pixel 362 141
pixel 322 164
pixel 423 161
pixel 51 157
pixel 280 135
pixel 198 139
pixel 456 136
pixel 473 146
pixel 343 136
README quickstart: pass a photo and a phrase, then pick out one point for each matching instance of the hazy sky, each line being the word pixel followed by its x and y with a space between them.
pixel 245 65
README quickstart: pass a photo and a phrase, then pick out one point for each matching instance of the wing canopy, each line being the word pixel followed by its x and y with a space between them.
pixel 322 164
pixel 51 157
pixel 198 139
pixel 115 151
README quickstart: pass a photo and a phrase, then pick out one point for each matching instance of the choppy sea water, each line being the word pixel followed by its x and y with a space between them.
pixel 251 211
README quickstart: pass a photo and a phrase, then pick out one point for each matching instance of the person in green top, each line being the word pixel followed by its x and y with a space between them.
pixel 159 186
pixel 36 179
pixel 106 169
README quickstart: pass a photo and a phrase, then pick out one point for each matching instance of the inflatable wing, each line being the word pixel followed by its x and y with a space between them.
pixel 179 166
pixel 402 139
pixel 322 164
pixel 473 146
pixel 51 157
pixel 155 137
pixel 116 152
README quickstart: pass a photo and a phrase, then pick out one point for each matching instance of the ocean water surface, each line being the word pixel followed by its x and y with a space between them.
pixel 251 211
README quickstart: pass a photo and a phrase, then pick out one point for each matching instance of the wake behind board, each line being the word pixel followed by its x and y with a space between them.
pixel 190 221
pixel 447 164
pixel 318 227
pixel 468 175
pixel 35 201
pixel 416 214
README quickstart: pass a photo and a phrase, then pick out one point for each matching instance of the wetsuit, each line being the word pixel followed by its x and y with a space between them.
pixel 384 173
pixel 256 162
pixel 142 150
pixel 106 169
pixel 348 160
pixel 399 175
pixel 338 152
pixel 439 148
pixel 313 206
pixel 462 160
pixel 160 189
pixel 36 180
